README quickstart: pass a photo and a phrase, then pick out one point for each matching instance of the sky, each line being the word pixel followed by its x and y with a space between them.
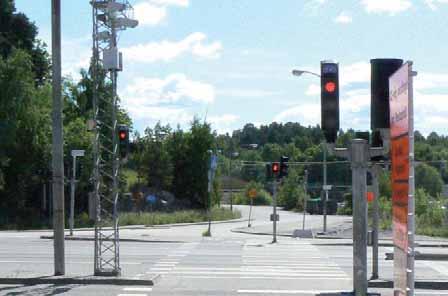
pixel 229 61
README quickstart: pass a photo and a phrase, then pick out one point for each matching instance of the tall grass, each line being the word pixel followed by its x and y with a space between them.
pixel 187 216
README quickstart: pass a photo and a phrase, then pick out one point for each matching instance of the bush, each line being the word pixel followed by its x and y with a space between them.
pixel 347 209
pixel 291 194
pixel 262 198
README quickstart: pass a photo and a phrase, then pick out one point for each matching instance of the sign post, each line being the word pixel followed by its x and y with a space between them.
pixel 252 195
pixel 403 187
pixel 75 153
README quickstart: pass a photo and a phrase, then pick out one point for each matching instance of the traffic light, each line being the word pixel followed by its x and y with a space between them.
pixel 268 172
pixel 275 168
pixel 283 167
pixel 381 70
pixel 123 140
pixel 329 81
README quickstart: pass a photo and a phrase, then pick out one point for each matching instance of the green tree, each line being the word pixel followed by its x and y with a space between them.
pixel 291 194
pixel 428 178
pixel 24 149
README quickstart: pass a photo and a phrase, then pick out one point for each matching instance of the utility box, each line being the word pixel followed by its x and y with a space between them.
pixel 111 59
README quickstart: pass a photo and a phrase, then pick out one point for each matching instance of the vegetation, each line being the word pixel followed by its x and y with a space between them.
pixel 262 197
pixel 169 162
pixel 186 216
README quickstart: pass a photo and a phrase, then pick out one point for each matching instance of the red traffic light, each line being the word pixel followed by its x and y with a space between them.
pixel 330 87
pixel 275 167
pixel 122 135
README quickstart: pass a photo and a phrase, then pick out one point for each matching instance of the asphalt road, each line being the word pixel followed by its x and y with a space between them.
pixel 228 263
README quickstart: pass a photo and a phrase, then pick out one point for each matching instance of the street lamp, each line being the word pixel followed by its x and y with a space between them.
pixel 299 73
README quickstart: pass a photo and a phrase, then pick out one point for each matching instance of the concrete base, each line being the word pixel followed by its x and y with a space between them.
pixel 303 233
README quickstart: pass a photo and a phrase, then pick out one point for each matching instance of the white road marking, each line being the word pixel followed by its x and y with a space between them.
pixel 431 293
pixel 297 274
pixel 313 292
pixel 69 262
pixel 256 269
pixel 136 289
pixel 132 294
pixel 265 277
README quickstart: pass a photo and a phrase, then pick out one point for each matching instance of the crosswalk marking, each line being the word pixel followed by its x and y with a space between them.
pixel 137 289
pixel 313 292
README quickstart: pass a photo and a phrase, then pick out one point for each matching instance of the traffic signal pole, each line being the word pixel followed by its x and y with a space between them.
pixel 325 197
pixel 376 171
pixel 57 146
pixel 359 153
pixel 274 209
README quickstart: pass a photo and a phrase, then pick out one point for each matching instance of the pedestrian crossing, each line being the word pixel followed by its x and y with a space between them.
pixel 250 261
pixel 249 267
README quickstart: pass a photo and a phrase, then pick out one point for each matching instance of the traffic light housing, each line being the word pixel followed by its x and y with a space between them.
pixel 275 166
pixel 283 167
pixel 123 140
pixel 329 81
pixel 381 70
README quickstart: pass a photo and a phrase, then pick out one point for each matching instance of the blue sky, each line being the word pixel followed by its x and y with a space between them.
pixel 230 60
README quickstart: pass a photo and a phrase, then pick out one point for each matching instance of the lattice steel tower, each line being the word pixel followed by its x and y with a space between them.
pixel 109 18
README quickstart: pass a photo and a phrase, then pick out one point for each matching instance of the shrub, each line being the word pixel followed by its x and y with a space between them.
pixel 291 194
pixel 262 198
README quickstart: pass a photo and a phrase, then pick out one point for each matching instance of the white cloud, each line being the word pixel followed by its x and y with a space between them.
pixel 358 72
pixel 180 3
pixel 248 93
pixel 170 90
pixel 433 3
pixel 343 18
pixel 430 80
pixel 306 114
pixel 222 123
pixel 148 14
pixel 153 12
pixel 167 50
pixel 313 90
pixel 391 7
pixel 76 54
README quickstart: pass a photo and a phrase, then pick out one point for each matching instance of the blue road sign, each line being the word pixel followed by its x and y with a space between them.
pixel 151 199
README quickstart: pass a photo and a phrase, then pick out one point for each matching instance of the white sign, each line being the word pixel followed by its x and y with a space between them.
pixel 327 187
pixel 77 153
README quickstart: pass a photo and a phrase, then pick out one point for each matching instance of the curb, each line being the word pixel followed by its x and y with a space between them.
pixel 78 281
pixel 137 227
pixel 199 223
pixel 78 238
pixel 426 285
pixel 237 230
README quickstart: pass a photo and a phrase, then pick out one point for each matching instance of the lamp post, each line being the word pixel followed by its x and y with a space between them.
pixel 325 187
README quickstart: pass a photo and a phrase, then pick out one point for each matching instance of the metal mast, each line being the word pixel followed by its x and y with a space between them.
pixel 109 18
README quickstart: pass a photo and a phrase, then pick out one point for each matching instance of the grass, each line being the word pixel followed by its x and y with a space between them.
pixel 187 216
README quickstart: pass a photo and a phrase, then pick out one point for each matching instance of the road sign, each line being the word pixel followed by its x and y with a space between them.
pixel 277 216
pixel 402 146
pixel 253 193
pixel 327 187
pixel 77 153
pixel 151 199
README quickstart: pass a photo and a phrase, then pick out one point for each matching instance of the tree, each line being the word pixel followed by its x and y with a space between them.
pixel 18 32
pixel 291 194
pixel 24 149
pixel 428 178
